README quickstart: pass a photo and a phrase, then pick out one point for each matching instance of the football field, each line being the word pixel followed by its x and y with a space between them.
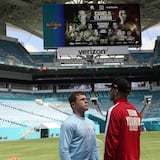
pixel 47 148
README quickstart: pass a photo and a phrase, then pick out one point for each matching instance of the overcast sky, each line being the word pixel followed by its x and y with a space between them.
pixel 35 44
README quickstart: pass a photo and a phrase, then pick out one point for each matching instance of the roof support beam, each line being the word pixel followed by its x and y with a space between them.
pixel 19 3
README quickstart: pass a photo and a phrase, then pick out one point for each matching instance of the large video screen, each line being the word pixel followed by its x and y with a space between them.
pixel 70 25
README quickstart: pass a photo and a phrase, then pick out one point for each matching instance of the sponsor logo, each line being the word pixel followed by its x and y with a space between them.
pixel 53 25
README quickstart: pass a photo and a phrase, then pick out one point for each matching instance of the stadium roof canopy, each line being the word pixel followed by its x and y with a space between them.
pixel 27 14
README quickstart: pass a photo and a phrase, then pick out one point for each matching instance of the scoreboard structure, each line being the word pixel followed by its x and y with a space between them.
pixel 77 25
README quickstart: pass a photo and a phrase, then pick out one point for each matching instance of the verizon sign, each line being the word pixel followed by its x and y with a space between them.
pixel 105 50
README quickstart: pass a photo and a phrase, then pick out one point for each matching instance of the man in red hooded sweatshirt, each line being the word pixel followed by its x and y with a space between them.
pixel 122 135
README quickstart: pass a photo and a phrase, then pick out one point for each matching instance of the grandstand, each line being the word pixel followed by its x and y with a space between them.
pixel 34 87
pixel 28 114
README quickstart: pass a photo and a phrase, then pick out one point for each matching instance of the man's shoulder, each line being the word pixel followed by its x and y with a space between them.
pixel 67 123
pixel 70 119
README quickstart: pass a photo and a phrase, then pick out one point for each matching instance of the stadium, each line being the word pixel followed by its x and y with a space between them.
pixel 35 86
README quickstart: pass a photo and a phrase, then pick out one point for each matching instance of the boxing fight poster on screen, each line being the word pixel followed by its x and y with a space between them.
pixel 73 25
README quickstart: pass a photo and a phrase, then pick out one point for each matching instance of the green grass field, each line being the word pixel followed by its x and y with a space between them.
pixel 47 148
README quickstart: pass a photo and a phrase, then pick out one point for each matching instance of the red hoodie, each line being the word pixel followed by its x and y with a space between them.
pixel 122 136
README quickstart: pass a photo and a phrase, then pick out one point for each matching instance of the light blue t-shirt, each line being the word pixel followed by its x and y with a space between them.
pixel 78 139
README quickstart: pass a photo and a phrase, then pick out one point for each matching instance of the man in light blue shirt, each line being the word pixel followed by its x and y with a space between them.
pixel 77 135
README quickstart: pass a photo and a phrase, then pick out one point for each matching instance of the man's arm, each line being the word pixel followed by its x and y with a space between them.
pixel 65 140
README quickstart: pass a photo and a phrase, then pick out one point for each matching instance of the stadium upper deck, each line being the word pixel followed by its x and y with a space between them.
pixel 39 68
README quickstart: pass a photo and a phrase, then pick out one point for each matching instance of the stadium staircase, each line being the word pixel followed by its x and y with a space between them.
pixel 28 132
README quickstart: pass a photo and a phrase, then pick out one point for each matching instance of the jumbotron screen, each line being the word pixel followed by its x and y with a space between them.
pixel 70 25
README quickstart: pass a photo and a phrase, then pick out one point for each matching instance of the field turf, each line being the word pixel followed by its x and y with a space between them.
pixel 47 148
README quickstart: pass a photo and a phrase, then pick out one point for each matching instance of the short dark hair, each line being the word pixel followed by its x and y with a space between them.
pixel 73 96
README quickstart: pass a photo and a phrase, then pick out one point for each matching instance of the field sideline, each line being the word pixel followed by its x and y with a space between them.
pixel 47 148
